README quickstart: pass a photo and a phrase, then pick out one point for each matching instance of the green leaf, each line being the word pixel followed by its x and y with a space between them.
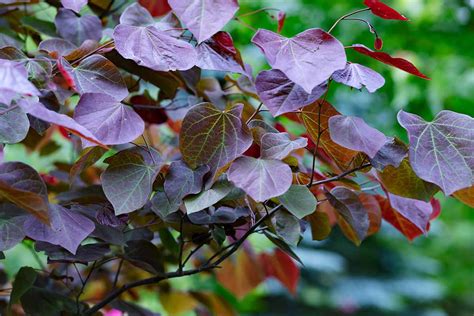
pixel 207 198
pixel 299 201
pixel 128 179
pixel 24 280
pixel 213 137
pixel 287 227
pixel 42 302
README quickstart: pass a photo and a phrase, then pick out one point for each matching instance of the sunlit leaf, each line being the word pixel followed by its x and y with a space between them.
pixel 74 5
pixel 77 29
pixel 14 81
pixel 358 76
pixel 208 197
pixel 279 145
pixel 466 196
pixel 384 11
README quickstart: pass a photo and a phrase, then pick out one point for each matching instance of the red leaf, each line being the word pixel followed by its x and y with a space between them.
pixel 253 151
pixel 223 43
pixel 153 115
pixel 280 266
pixel 156 7
pixel 66 75
pixel 384 11
pixel 378 43
pixel 385 58
pixel 281 20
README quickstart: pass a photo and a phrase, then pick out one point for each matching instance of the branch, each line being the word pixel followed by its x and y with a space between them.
pixel 342 175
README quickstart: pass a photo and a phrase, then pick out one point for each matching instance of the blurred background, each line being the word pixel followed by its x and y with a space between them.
pixel 386 275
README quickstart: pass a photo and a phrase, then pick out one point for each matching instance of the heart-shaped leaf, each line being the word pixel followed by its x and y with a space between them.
pixel 128 180
pixel 299 201
pixel 74 5
pixel 308 59
pixel 441 150
pixel 281 95
pixel 358 76
pixel 279 145
pixel 213 137
pixel 14 81
pixel 21 184
pixel 353 133
pixel 11 226
pixel 204 18
pixel 67 228
pixel 385 58
pixel 110 121
pixel 96 74
pixel 262 179
pixel 207 198
pixel 77 29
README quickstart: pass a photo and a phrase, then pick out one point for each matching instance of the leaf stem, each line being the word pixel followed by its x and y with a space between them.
pixel 342 175
pixel 254 114
pixel 345 17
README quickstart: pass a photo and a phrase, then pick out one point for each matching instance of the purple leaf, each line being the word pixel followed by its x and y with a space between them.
pixel 261 179
pixel 416 211
pixel 223 215
pixel 279 145
pixel 212 55
pixel 349 206
pixel 7 41
pixel 213 137
pixel 207 198
pixel 61 46
pixel 281 95
pixel 97 74
pixel 308 59
pixel 37 110
pixel 39 68
pixel 74 5
pixel 204 18
pixel 179 182
pixel 11 226
pixel 391 154
pixel 353 133
pixel 110 121
pixel 149 44
pixel 14 81
pixel 128 180
pixel 77 29
pixel 357 76
pixel 67 228
pixel 22 185
pixel 441 151
pixel 14 124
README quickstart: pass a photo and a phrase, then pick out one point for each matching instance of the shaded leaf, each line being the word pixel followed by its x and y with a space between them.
pixel 391 154
pixel 67 228
pixel 281 95
pixel 287 227
pixel 320 225
pixel 213 137
pixel 355 220
pixel 144 255
pixel 404 182
pixel 372 206
pixel 261 179
pixel 156 7
pixel 14 124
pixel 21 184
pixel 96 74
pixel 77 29
pixel 24 280
pixel 109 120
pixel 87 159
pixel 51 302
pixel 223 215
pixel 385 58
pixel 84 254
pixel 308 59
pixel 441 150
pixel 358 76
pixel 57 46
pixel 384 11
pixel 353 133
pixel 299 201
pixel 204 18
pixel 128 180
pixel 11 226
pixel 279 145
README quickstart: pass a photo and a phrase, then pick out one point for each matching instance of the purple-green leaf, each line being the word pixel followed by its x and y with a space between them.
pixel 204 18
pixel 207 198
pixel 77 29
pixel 353 133
pixel 358 76
pixel 96 74
pixel 308 59
pixel 261 179
pixel 391 154
pixel 299 201
pixel 128 180
pixel 281 95
pixel 14 124
pixel 110 121
pixel 279 145
pixel 441 151
pixel 213 137
pixel 14 81
pixel 11 225
pixel 67 228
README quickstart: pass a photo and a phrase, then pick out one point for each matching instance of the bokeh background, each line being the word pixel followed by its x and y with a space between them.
pixel 386 275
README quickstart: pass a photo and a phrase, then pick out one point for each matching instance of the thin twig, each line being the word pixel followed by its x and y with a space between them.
pixel 84 283
pixel 181 245
pixel 345 17
pixel 117 274
pixel 254 114
pixel 342 175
